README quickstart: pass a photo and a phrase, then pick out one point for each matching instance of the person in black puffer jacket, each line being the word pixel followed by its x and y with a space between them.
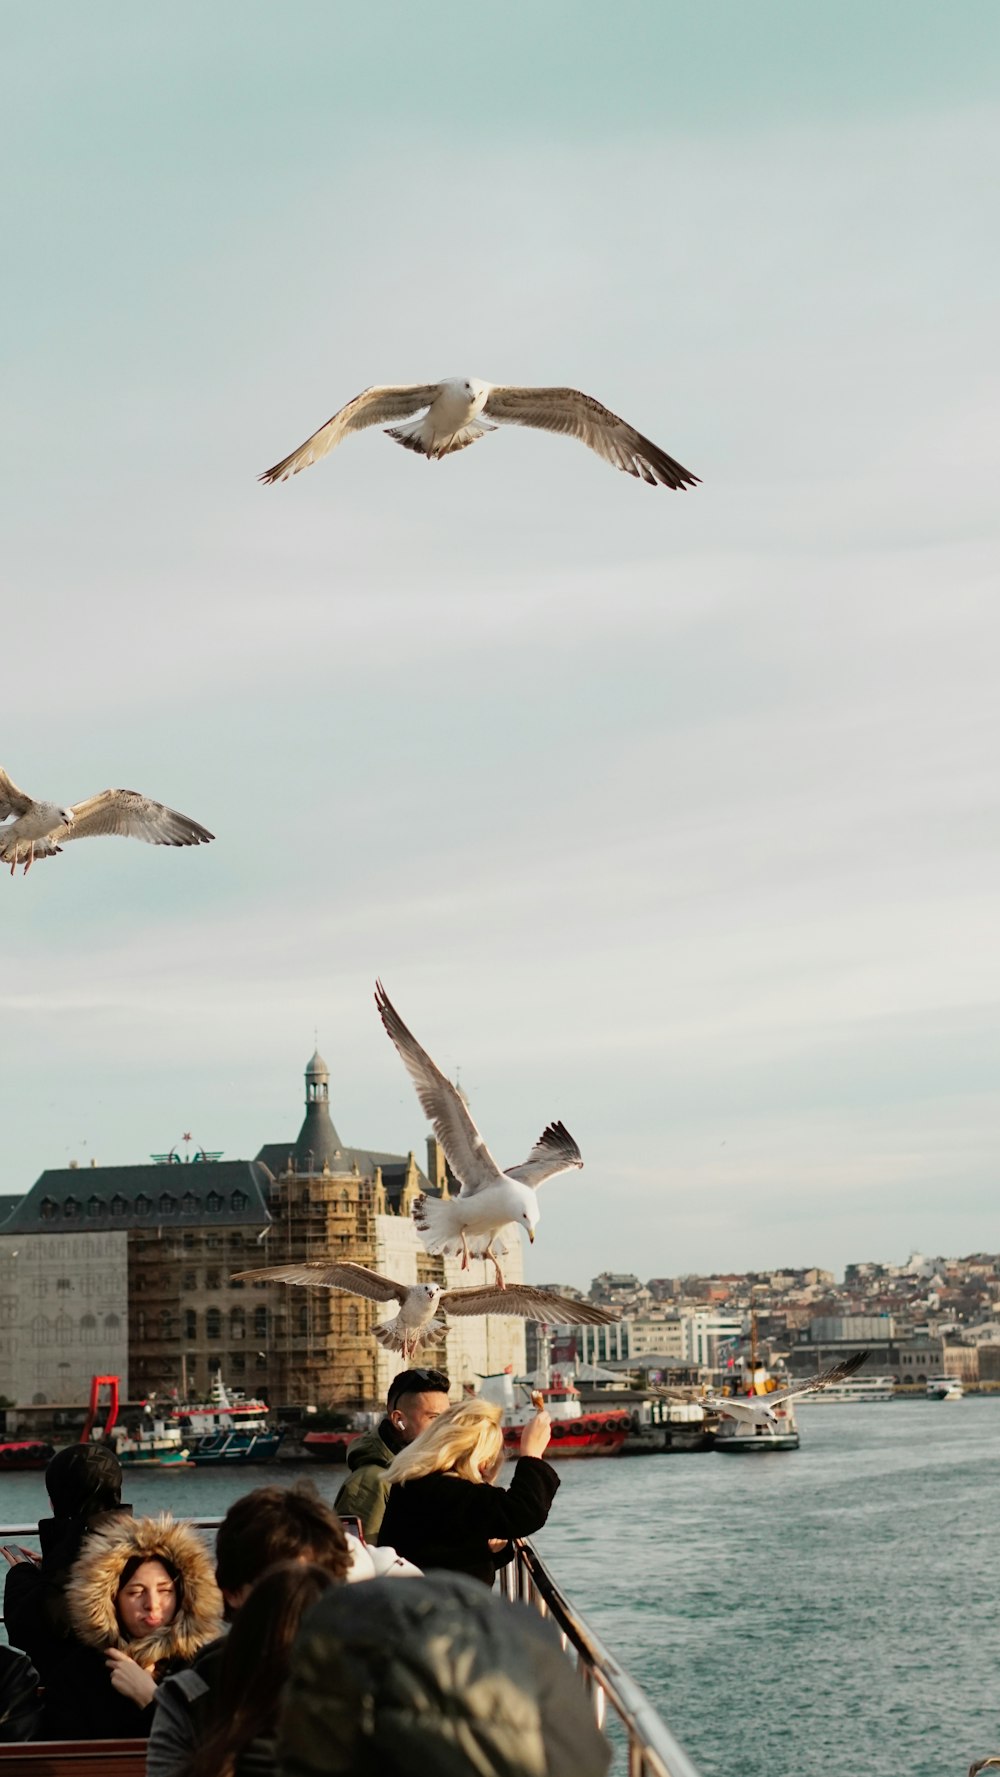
pixel 444 1510
pixel 20 1697
pixel 434 1678
pixel 84 1485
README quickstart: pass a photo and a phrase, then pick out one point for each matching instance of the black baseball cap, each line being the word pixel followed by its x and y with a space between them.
pixel 416 1382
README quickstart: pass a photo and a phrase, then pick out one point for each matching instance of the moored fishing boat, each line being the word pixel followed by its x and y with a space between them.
pixel 944 1388
pixel 28 1454
pixel 228 1428
pixel 575 1432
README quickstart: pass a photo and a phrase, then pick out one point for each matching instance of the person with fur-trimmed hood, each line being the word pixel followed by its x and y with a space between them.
pixel 141 1601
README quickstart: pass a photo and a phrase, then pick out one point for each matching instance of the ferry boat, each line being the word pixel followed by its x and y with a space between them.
pixel 855 1388
pixel 739 1436
pixel 228 1428
pixel 944 1388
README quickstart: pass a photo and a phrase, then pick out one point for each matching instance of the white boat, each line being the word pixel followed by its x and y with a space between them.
pixel 738 1437
pixel 856 1388
pixel 944 1388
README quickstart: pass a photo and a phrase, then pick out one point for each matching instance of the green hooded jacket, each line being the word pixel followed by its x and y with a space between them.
pixel 366 1490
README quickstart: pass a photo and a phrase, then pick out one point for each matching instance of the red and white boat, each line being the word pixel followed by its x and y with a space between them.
pixel 575 1431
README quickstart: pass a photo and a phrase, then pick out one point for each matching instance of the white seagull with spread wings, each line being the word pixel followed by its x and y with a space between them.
pixel 758 1409
pixel 459 411
pixel 491 1196
pixel 40 829
pixel 421 1303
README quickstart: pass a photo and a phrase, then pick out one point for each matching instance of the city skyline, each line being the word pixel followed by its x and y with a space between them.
pixel 669 815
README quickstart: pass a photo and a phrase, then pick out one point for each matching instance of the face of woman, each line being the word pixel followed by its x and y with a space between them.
pixel 148 1601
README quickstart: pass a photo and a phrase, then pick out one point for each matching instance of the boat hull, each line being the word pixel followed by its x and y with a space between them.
pixel 591 1435
pixel 24 1455
pixel 329 1446
pixel 758 1446
pixel 236 1446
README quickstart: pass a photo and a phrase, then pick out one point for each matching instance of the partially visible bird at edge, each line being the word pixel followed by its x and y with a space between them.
pixel 462 409
pixel 41 829
pixel 491 1196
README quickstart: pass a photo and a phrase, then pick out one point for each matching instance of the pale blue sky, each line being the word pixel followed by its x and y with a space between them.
pixel 673 816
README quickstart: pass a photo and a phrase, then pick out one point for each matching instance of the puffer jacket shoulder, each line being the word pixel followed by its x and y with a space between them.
pixel 369 1451
pixel 436 1675
pixel 90 1595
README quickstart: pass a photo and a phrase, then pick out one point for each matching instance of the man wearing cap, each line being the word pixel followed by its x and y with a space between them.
pixel 415 1399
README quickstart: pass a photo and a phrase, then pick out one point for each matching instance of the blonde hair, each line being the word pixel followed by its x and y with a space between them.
pixel 467 1441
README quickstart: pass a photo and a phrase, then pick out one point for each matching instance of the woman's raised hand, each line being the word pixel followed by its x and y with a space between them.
pixel 535 1435
pixel 129 1677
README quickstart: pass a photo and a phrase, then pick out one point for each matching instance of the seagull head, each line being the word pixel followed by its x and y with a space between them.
pixel 67 816
pixel 475 391
pixel 529 1218
pixel 431 1293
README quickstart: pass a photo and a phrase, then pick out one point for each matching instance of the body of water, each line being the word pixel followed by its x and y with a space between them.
pixel 830 1612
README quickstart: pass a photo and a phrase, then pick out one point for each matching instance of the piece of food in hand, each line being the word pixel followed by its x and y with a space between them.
pixel 537 1400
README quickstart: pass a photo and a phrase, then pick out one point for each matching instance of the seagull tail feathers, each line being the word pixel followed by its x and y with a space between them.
pixel 417 436
pixel 389 1335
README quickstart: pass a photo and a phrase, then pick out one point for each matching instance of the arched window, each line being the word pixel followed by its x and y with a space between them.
pixel 166 1324
pixel 237 1324
pixel 303 1320
pixel 41 1332
pixel 64 1330
pixel 213 1324
pixel 168 1204
pixel 190 1324
pixel 112 1324
pixel 71 1209
pixel 238 1200
pixel 143 1204
pixel 88 1329
pixel 260 1323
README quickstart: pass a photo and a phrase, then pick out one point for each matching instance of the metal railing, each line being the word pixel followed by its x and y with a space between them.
pixel 651 1748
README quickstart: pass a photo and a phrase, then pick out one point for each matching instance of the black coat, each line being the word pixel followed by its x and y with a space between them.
pixel 34 1599
pixel 443 1521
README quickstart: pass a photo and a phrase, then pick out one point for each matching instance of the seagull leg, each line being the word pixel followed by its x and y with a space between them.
pixel 29 860
pixel 495 1262
pixel 465 1252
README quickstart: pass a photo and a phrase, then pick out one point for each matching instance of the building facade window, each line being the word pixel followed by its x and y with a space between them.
pixel 119 1207
pixel 260 1323
pixel 48 1210
pixel 96 1207
pixel 189 1203
pixel 71 1209
pixel 190 1325
pixel 88 1329
pixel 238 1200
pixel 143 1204
pixel 237 1324
pixel 168 1204
pixel 112 1324
pixel 213 1203
pixel 63 1286
pixel 213 1324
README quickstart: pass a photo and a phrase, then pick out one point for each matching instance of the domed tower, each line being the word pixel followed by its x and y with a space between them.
pixel 319 1144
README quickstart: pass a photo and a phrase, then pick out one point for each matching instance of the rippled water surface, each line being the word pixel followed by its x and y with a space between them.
pixel 830 1612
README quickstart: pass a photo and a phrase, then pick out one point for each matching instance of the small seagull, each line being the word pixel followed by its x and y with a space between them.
pixel 491 1196
pixel 41 829
pixel 453 419
pixel 758 1409
pixel 421 1303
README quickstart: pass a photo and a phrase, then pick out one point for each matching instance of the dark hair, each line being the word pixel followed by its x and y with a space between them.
pixel 416 1382
pixel 132 1567
pixel 278 1524
pixel 244 1701
pixel 83 1478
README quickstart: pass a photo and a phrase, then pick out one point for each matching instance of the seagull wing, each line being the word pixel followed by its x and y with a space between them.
pixel 469 1157
pixel 320 1275
pixel 554 1151
pixel 12 800
pixel 529 1303
pixel 579 416
pixel 130 816
pixel 838 1373
pixel 383 401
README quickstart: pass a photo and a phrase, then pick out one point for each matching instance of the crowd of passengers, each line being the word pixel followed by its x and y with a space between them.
pixel 269 1659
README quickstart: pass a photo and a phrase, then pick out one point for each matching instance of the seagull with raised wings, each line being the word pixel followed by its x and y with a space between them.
pixel 491 1196
pixel 420 1304
pixel 41 829
pixel 758 1409
pixel 461 409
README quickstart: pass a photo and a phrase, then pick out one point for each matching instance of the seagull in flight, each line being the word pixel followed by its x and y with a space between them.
pixel 41 829
pixel 420 1304
pixel 758 1409
pixel 461 409
pixel 491 1196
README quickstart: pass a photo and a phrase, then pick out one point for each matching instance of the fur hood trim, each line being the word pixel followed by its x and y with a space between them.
pixel 94 1581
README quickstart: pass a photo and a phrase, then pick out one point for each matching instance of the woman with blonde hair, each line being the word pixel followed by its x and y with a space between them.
pixel 444 1509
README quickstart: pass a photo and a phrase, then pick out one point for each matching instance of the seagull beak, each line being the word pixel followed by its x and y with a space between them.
pixel 531 1235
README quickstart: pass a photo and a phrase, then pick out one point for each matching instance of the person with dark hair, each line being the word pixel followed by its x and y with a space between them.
pixel 242 1718
pixel 84 1485
pixel 270 1525
pixel 415 1399
pixel 141 1601
pixel 434 1677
